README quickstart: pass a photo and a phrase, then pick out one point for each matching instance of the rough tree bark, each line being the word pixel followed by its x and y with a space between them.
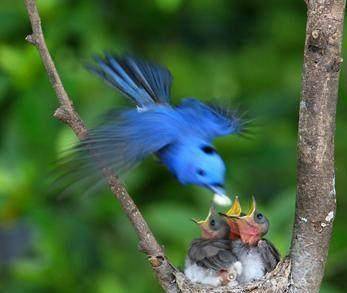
pixel 303 270
pixel 316 196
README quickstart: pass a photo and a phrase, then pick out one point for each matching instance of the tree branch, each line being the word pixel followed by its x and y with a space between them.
pixel 316 197
pixel 67 114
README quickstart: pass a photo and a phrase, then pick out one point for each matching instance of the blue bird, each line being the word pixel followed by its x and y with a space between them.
pixel 180 136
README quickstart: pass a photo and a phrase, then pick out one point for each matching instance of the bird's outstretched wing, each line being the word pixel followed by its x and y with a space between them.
pixel 123 141
pixel 142 82
pixel 208 119
pixel 212 254
pixel 269 254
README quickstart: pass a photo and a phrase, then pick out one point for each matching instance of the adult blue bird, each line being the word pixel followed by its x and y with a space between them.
pixel 180 136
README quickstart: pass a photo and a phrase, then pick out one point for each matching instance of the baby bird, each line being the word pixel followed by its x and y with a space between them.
pixel 210 260
pixel 258 256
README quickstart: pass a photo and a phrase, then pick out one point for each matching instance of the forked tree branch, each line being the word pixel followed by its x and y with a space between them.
pixel 316 199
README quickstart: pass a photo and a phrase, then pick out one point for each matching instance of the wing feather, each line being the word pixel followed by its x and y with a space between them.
pixel 212 254
pixel 210 120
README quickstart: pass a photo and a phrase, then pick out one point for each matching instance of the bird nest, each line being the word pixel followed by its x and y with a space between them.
pixel 275 281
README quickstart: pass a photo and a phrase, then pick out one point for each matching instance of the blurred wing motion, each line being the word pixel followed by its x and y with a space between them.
pixel 211 253
pixel 211 120
pixel 127 136
pixel 142 82
pixel 119 145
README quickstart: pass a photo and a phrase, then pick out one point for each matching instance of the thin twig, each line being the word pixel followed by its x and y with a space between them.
pixel 67 114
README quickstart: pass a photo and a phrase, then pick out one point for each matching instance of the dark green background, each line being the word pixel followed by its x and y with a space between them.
pixel 248 53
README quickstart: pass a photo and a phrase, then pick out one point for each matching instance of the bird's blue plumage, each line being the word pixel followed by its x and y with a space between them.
pixel 180 136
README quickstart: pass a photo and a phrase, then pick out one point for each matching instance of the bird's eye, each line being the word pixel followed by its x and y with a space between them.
pixel 207 149
pixel 213 222
pixel 201 172
pixel 260 216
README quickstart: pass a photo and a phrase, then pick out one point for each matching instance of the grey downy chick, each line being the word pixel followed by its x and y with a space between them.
pixel 210 260
pixel 258 256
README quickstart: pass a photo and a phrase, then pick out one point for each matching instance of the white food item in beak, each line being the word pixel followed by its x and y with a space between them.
pixel 221 199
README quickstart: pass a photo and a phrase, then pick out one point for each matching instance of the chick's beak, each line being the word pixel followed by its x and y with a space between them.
pixel 195 221
pixel 231 217
pixel 204 226
pixel 235 209
pixel 211 212
pixel 200 222
pixel 249 230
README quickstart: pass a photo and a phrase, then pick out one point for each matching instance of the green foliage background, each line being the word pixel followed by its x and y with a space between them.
pixel 248 53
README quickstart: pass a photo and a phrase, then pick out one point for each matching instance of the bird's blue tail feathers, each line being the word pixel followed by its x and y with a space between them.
pixel 142 82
